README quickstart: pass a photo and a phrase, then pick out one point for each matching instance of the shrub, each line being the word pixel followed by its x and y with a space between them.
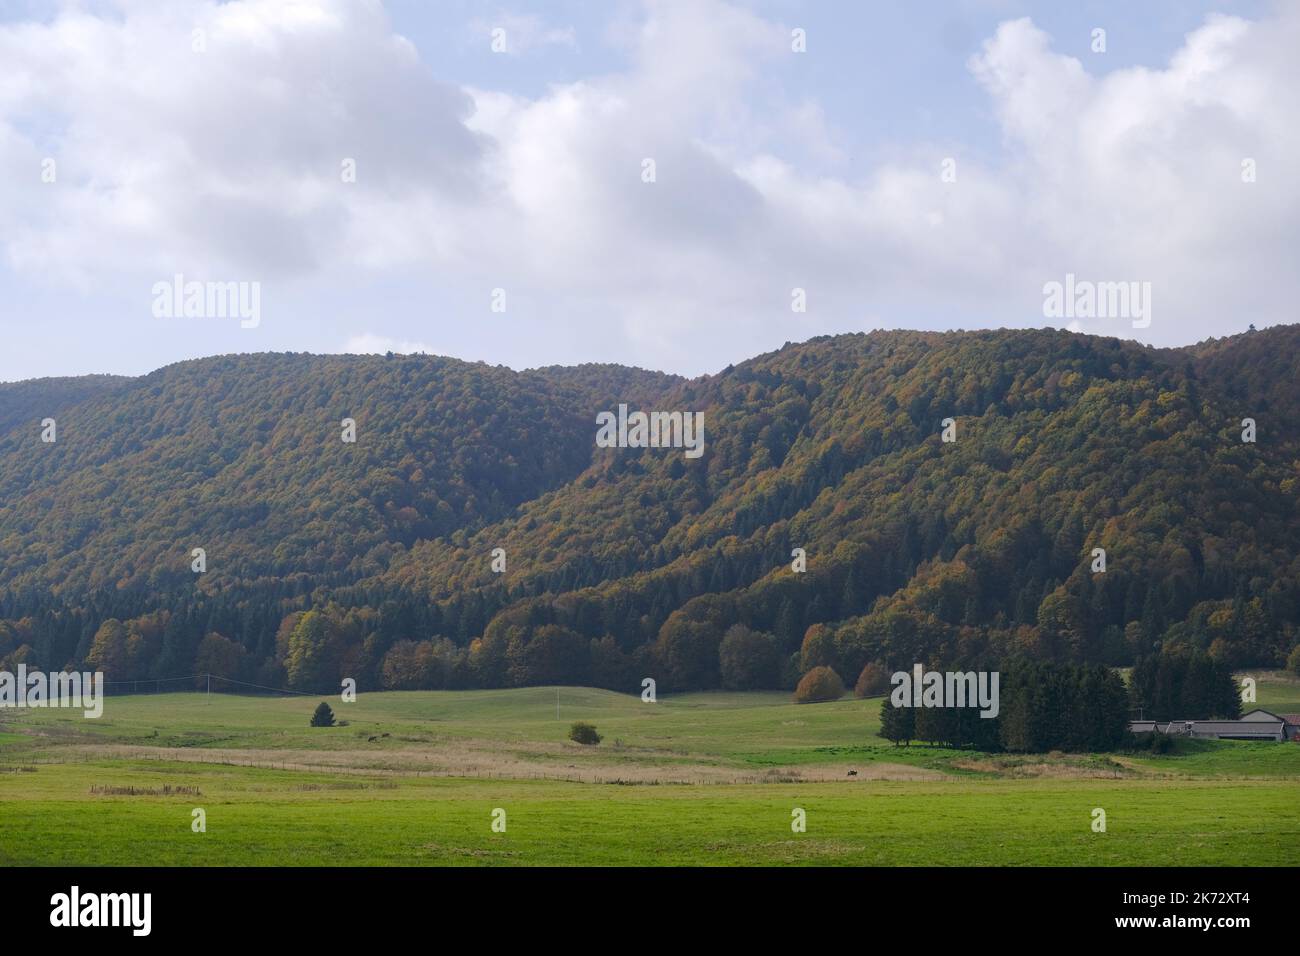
pixel 584 733
pixel 1152 742
pixel 873 681
pixel 324 716
pixel 820 683
pixel 1162 744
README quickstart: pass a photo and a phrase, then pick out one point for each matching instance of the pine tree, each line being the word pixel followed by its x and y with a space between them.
pixel 897 723
pixel 323 717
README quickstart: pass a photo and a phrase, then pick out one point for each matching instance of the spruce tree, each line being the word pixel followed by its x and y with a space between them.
pixel 897 723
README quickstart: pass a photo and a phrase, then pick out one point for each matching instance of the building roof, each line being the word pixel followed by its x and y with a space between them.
pixel 1260 713
pixel 1267 727
pixel 1236 727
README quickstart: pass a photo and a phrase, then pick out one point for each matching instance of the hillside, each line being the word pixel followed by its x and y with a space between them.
pixel 628 562
pixel 37 398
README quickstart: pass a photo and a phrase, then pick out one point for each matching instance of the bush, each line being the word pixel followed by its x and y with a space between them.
pixel 324 716
pixel 1293 661
pixel 819 684
pixel 584 733
pixel 1162 744
pixel 1153 742
pixel 873 681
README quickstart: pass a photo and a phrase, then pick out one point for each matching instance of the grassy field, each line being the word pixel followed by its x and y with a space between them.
pixel 414 778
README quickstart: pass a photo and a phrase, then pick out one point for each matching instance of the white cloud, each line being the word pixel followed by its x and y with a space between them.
pixel 227 160
pixel 1137 175
pixel 225 164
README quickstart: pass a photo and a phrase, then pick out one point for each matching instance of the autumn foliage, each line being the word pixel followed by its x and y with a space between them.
pixel 819 684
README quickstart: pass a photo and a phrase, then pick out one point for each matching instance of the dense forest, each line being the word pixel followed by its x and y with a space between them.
pixel 377 559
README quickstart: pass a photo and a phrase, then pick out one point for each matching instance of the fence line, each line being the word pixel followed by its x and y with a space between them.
pixel 156 681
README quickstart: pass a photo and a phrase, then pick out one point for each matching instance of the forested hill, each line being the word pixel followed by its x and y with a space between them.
pixel 374 559
pixel 21 403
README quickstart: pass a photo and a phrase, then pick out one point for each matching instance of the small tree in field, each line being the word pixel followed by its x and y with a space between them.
pixel 584 733
pixel 324 716
pixel 820 683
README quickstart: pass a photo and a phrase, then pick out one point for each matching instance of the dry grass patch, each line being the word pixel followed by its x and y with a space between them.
pixel 1053 766
pixel 166 790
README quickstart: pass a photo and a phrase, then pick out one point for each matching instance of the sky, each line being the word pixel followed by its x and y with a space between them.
pixel 671 184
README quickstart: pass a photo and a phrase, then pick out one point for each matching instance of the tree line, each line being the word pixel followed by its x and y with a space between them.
pixel 1047 706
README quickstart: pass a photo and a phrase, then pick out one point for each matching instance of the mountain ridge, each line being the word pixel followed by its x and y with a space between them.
pixel 622 560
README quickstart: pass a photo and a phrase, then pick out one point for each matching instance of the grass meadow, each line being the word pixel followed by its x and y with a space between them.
pixel 414 778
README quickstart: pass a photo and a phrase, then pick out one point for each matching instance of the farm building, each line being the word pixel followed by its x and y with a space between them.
pixel 1256 725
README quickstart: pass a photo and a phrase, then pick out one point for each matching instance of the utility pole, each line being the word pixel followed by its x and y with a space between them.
pixel 557 703
pixel 209 688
